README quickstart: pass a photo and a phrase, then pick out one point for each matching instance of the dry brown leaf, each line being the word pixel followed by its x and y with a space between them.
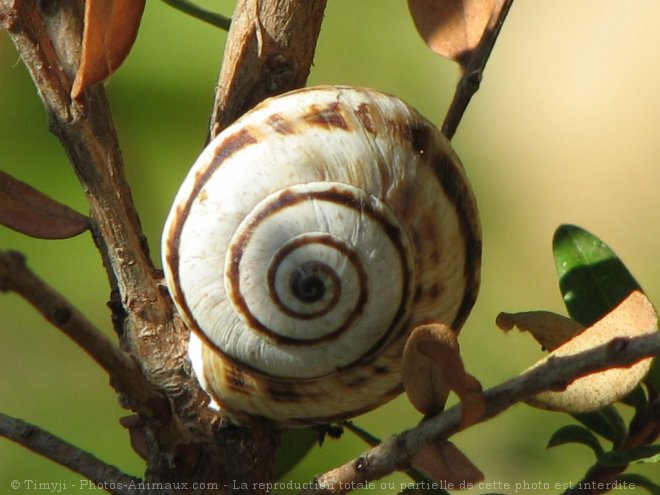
pixel 451 28
pixel 432 367
pixel 31 212
pixel 635 316
pixel 444 462
pixel 111 27
pixel 137 434
pixel 549 329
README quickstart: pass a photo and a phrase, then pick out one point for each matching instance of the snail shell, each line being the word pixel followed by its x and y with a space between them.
pixel 305 243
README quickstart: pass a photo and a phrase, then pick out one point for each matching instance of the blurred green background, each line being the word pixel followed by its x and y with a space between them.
pixel 566 129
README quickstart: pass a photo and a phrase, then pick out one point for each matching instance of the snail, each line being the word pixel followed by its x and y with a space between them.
pixel 306 242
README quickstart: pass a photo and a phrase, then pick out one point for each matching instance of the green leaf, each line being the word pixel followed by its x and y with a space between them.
pixel 636 398
pixel 621 458
pixel 592 279
pixel 649 460
pixel 653 378
pixel 575 434
pixel 641 481
pixel 606 422
pixel 295 445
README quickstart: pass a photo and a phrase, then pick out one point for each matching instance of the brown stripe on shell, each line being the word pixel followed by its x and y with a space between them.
pixel 287 199
pixel 228 147
pixel 434 290
pixel 280 124
pixel 381 370
pixel 232 380
pixel 363 114
pixel 326 240
pixel 419 292
pixel 286 392
pixel 386 396
pixel 235 380
pixel 330 115
pixel 453 182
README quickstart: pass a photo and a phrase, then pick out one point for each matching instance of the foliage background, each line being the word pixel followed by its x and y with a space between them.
pixel 566 129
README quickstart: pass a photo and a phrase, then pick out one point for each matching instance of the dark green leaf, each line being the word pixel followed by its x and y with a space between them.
pixel 295 445
pixel 636 398
pixel 575 434
pixel 619 458
pixel 653 378
pixel 650 460
pixel 641 481
pixel 592 279
pixel 606 422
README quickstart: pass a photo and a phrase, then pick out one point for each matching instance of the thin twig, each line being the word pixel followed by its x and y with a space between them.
pixel 198 12
pixel 396 452
pixel 102 475
pixel 125 375
pixel 362 434
pixel 474 69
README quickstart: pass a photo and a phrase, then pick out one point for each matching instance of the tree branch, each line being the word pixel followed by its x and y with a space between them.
pixel 186 440
pixel 125 375
pixel 269 50
pixel 49 45
pixel 473 71
pixel 396 452
pixel 48 42
pixel 62 452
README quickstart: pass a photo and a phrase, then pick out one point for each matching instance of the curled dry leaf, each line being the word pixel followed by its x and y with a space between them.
pixel 633 317
pixel 451 28
pixel 443 461
pixel 111 27
pixel 138 435
pixel 549 329
pixel 31 212
pixel 432 367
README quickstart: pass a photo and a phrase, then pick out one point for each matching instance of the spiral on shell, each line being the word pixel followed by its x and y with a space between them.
pixel 307 240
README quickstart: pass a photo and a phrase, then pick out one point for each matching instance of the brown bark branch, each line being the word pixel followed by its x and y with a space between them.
pixel 49 45
pixel 269 51
pixel 474 68
pixel 62 452
pixel 396 452
pixel 125 374
pixel 187 441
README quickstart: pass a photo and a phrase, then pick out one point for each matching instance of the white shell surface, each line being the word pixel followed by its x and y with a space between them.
pixel 322 185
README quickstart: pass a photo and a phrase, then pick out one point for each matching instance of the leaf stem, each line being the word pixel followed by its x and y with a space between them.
pixel 473 69
pixel 362 434
pixel 198 12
